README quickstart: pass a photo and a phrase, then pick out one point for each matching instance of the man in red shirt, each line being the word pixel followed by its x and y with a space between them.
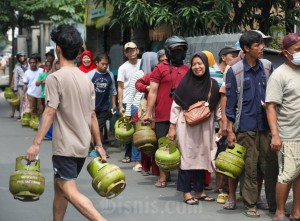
pixel 163 81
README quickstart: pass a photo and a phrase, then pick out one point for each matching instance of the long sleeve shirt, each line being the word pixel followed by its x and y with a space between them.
pixel 142 84
pixel 19 71
pixel 253 115
pixel 134 96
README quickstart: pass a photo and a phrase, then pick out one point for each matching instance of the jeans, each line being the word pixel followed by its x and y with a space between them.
pixel 135 153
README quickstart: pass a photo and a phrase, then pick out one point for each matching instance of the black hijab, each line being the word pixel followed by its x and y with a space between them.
pixel 193 88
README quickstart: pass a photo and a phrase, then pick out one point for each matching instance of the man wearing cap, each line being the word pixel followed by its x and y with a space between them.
pixel 18 74
pixel 125 73
pixel 247 123
pixel 226 55
pixel 282 106
pixel 271 158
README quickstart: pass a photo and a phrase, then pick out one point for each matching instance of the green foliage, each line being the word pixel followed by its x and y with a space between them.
pixel 31 11
pixel 192 17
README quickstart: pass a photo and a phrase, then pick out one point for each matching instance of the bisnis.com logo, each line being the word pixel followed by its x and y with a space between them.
pixel 147 206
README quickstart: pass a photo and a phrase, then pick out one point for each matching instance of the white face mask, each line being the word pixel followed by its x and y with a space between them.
pixel 296 58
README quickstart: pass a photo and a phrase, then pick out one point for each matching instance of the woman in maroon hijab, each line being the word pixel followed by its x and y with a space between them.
pixel 87 62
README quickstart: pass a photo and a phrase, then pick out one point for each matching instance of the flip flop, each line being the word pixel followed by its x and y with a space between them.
pixel 231 204
pixel 294 219
pixel 191 201
pixel 255 215
pixel 126 160
pixel 222 198
pixel 262 206
pixel 282 219
pixel 206 198
pixel 144 173
pixel 160 184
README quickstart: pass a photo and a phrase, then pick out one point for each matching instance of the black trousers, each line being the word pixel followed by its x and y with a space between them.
pixel 189 180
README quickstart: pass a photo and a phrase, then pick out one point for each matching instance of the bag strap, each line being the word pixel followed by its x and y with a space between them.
pixel 208 97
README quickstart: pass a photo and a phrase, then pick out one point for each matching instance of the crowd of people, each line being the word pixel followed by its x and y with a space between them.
pixel 250 104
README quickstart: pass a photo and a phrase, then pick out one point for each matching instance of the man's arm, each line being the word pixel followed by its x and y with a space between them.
pixel 96 136
pixel 224 118
pixel 113 102
pixel 230 105
pixel 47 117
pixel 151 101
pixel 120 96
pixel 272 120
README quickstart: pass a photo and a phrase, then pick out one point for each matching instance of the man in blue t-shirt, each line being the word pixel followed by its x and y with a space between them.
pixel 105 89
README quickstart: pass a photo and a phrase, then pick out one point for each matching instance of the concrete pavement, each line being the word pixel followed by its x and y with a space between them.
pixel 139 201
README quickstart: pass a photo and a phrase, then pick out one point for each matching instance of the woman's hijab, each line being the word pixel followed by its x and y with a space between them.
pixel 92 66
pixel 149 61
pixel 194 88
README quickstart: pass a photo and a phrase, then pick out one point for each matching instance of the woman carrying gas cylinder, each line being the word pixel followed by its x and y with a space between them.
pixel 196 143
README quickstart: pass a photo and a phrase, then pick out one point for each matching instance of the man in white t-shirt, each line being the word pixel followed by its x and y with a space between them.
pixel 32 91
pixel 125 72
pixel 282 106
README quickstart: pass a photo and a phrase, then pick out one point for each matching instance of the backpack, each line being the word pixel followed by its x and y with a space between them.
pixel 238 71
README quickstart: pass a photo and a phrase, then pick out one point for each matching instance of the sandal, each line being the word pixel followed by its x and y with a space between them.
pixel 144 173
pixel 191 201
pixel 137 168
pixel 283 219
pixel 294 218
pixel 229 205
pixel 262 206
pixel 126 160
pixel 251 213
pixel 160 184
pixel 222 198
pixel 206 198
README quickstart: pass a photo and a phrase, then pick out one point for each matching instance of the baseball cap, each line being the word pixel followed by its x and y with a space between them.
pixel 288 41
pixel 51 52
pixel 129 45
pixel 21 53
pixel 267 38
pixel 226 50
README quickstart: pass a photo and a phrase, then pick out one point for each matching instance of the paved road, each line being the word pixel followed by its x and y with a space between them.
pixel 139 201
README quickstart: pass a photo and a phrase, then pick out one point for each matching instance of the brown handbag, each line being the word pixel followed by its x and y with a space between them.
pixel 198 112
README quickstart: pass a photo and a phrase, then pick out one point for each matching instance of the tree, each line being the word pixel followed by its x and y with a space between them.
pixel 196 17
pixel 24 13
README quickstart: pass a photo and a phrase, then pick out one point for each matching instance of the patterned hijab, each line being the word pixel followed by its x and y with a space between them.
pixel 193 88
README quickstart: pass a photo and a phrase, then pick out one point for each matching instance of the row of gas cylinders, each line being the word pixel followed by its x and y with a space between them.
pixel 29 120
pixel 11 97
pixel 167 156
pixel 27 183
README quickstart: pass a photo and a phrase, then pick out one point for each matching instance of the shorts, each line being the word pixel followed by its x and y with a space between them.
pixel 289 162
pixel 67 168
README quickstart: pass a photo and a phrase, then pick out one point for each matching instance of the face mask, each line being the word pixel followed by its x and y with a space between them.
pixel 296 58
pixel 177 56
